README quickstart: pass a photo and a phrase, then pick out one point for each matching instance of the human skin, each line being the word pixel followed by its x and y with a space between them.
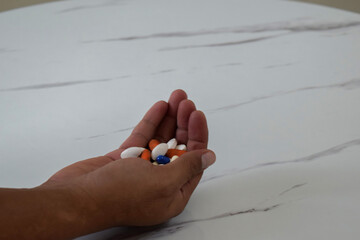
pixel 105 191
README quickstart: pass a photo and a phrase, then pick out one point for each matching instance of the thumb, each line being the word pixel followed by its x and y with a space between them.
pixel 190 165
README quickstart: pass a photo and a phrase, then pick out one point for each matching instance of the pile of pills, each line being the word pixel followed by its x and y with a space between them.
pixel 158 153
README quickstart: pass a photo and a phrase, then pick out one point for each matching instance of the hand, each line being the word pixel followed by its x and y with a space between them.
pixel 133 191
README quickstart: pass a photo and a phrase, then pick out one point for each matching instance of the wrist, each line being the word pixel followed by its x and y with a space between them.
pixel 43 213
pixel 90 215
pixel 68 210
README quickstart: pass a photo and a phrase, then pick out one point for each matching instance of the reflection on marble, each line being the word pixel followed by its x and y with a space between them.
pixel 278 80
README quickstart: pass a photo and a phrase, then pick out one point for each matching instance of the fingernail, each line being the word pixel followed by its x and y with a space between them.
pixel 207 159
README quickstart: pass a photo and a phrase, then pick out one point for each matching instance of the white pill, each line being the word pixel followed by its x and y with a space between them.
pixel 160 149
pixel 132 152
pixel 155 163
pixel 174 158
pixel 181 147
pixel 172 143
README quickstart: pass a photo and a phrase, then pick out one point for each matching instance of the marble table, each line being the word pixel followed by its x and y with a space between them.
pixel 278 80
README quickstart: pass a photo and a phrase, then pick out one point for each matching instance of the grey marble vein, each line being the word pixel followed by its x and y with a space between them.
pixel 180 225
pixel 288 26
pixel 222 44
pixel 315 156
pixel 84 7
pixel 6 50
pixel 282 193
pixel 76 8
pixel 163 71
pixel 227 65
pixel 106 134
pixel 280 65
pixel 170 228
pixel 292 188
pixel 229 214
pixel 348 85
pixel 59 84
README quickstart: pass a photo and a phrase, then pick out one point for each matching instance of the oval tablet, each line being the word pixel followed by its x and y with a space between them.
pixel 181 147
pixel 132 152
pixel 172 143
pixel 160 149
pixel 174 158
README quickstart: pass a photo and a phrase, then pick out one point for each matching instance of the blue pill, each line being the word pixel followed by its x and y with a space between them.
pixel 162 159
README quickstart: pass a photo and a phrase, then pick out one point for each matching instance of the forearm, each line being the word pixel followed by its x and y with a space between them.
pixel 45 213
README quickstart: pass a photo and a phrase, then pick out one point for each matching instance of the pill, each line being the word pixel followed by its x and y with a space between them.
pixel 181 147
pixel 172 152
pixel 172 143
pixel 160 149
pixel 153 143
pixel 161 159
pixel 132 152
pixel 155 163
pixel 174 158
pixel 146 154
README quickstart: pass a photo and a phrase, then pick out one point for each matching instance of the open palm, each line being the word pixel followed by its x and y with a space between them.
pixel 164 120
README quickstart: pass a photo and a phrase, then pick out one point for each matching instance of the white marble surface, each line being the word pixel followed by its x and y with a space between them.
pixel 278 80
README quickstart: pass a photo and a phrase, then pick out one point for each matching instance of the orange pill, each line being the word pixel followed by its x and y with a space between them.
pixel 153 143
pixel 146 154
pixel 172 152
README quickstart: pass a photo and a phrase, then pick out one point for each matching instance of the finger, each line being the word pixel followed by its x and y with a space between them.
pixel 188 172
pixel 189 187
pixel 183 195
pixel 186 167
pixel 166 129
pixel 197 131
pixel 185 109
pixel 145 129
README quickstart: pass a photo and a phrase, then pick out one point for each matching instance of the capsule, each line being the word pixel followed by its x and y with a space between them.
pixel 146 155
pixel 153 143
pixel 172 152
pixel 132 152
pixel 161 159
